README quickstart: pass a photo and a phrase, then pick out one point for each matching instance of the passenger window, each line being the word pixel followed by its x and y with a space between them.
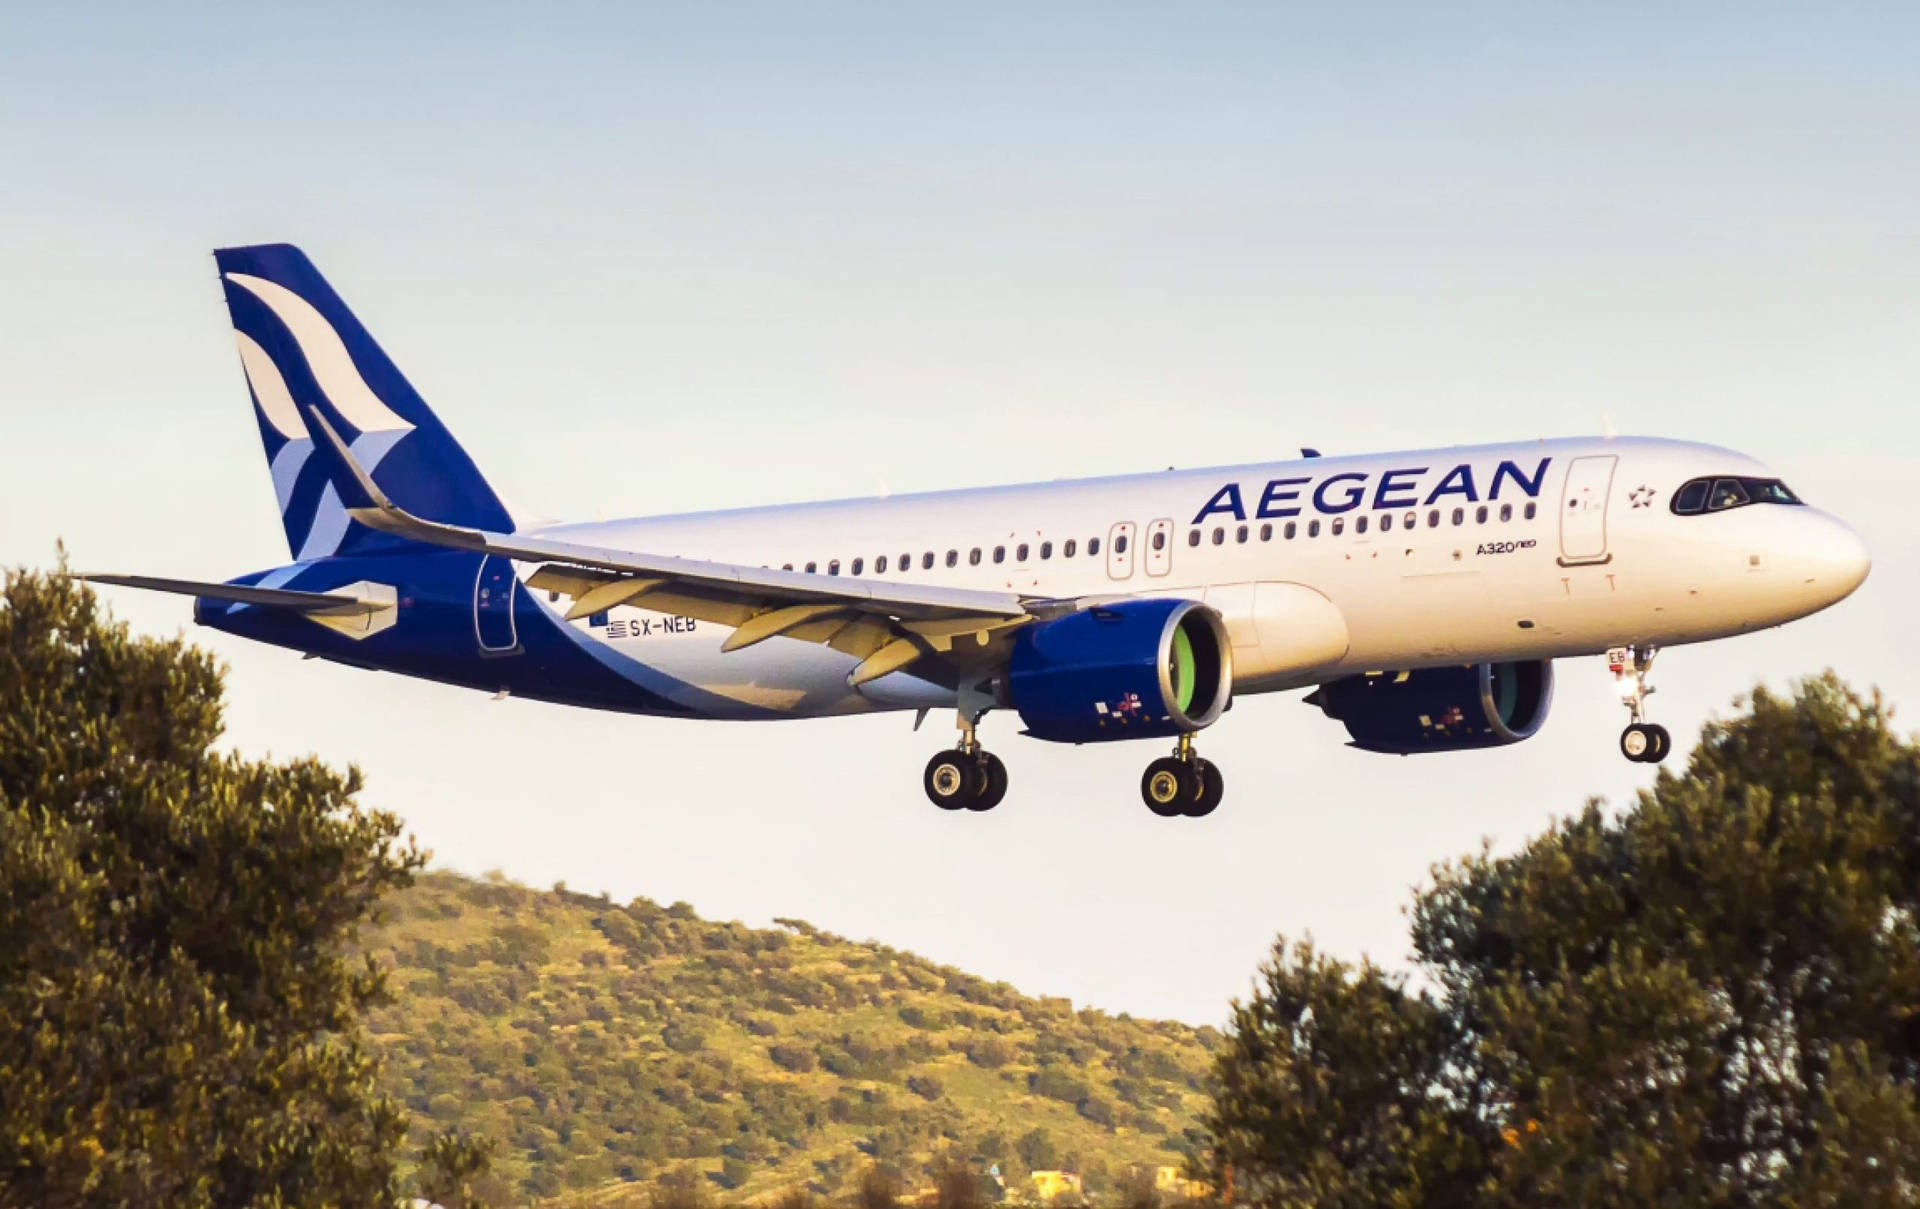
pixel 973 557
pixel 786 566
pixel 1046 548
pixel 1266 533
pixel 1093 546
pixel 1727 493
pixel 1193 537
pixel 1219 536
pixel 1459 516
pixel 1020 553
pixel 833 568
pixel 1240 535
pixel 812 568
pixel 1360 525
pixel 1066 551
pixel 1313 528
pixel 880 565
pixel 1506 513
pixel 1291 529
pixel 858 563
pixel 999 554
pixel 1339 525
pixel 926 561
pixel 1531 509
pixel 1411 520
pixel 1159 540
pixel 1386 521
pixel 1480 515
pixel 953 558
pixel 1691 498
pixel 1433 519
pixel 1120 544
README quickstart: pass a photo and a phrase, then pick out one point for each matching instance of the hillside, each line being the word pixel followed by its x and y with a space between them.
pixel 599 1044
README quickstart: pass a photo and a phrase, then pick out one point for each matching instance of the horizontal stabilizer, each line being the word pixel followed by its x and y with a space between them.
pixel 334 604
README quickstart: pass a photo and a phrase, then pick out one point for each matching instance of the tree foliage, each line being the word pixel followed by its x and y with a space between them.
pixel 179 1015
pixel 613 1043
pixel 1712 998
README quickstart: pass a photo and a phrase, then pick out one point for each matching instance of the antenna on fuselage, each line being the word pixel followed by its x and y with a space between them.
pixel 1307 452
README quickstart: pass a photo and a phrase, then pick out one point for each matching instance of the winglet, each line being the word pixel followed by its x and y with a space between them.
pixel 369 505
pixel 356 487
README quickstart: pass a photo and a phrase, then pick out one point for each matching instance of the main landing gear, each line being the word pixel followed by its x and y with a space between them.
pixel 969 777
pixel 1182 784
pixel 1642 742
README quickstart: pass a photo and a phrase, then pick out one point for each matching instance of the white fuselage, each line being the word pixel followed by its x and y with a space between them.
pixel 1321 567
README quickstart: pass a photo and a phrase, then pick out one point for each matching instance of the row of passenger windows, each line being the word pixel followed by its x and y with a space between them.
pixel 1021 552
pixel 1411 520
pixel 1241 533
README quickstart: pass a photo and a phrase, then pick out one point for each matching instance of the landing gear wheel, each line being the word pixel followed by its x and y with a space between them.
pixel 954 780
pixel 995 787
pixel 1168 787
pixel 1662 743
pixel 1212 787
pixel 1639 744
pixel 1642 742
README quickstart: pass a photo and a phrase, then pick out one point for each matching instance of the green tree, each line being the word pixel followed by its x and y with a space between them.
pixel 1712 998
pixel 179 1012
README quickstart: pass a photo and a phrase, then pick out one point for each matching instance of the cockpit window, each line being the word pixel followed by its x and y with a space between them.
pixel 1691 498
pixel 1727 493
pixel 1720 494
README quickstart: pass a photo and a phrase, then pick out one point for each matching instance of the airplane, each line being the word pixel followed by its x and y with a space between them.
pixel 1422 595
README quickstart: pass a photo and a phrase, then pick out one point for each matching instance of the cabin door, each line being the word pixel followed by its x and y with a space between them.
pixel 1583 510
pixel 493 597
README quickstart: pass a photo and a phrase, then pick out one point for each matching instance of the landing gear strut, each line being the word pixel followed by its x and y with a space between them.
pixel 1642 742
pixel 969 777
pixel 1182 784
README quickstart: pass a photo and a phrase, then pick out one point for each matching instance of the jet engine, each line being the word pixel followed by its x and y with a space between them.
pixel 1133 669
pixel 1442 708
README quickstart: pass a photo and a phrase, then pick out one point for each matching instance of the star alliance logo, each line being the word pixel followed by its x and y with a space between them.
pixel 1642 496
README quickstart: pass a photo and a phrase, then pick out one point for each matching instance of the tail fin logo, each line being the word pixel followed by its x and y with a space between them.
pixel 344 392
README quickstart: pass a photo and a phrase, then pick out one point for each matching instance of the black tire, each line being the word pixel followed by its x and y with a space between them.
pixel 1637 742
pixel 996 783
pixel 1662 744
pixel 1212 788
pixel 952 780
pixel 1168 787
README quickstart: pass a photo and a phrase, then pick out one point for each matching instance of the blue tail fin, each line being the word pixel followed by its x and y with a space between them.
pixel 302 349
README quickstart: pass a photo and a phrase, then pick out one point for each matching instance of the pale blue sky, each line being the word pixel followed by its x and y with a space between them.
pixel 660 259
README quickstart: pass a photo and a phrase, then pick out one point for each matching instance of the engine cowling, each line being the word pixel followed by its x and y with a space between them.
pixel 1134 669
pixel 1443 708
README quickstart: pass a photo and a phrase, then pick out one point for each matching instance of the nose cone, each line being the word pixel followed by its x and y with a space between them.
pixel 1849 559
pixel 1843 560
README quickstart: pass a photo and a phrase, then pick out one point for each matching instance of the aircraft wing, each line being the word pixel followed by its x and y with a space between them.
pixel 888 626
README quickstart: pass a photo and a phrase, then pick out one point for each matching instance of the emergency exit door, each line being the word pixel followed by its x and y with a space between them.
pixel 1159 547
pixel 1120 551
pixel 1583 510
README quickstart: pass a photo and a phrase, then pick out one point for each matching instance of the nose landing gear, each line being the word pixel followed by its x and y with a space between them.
pixel 969 777
pixel 1182 784
pixel 1642 742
